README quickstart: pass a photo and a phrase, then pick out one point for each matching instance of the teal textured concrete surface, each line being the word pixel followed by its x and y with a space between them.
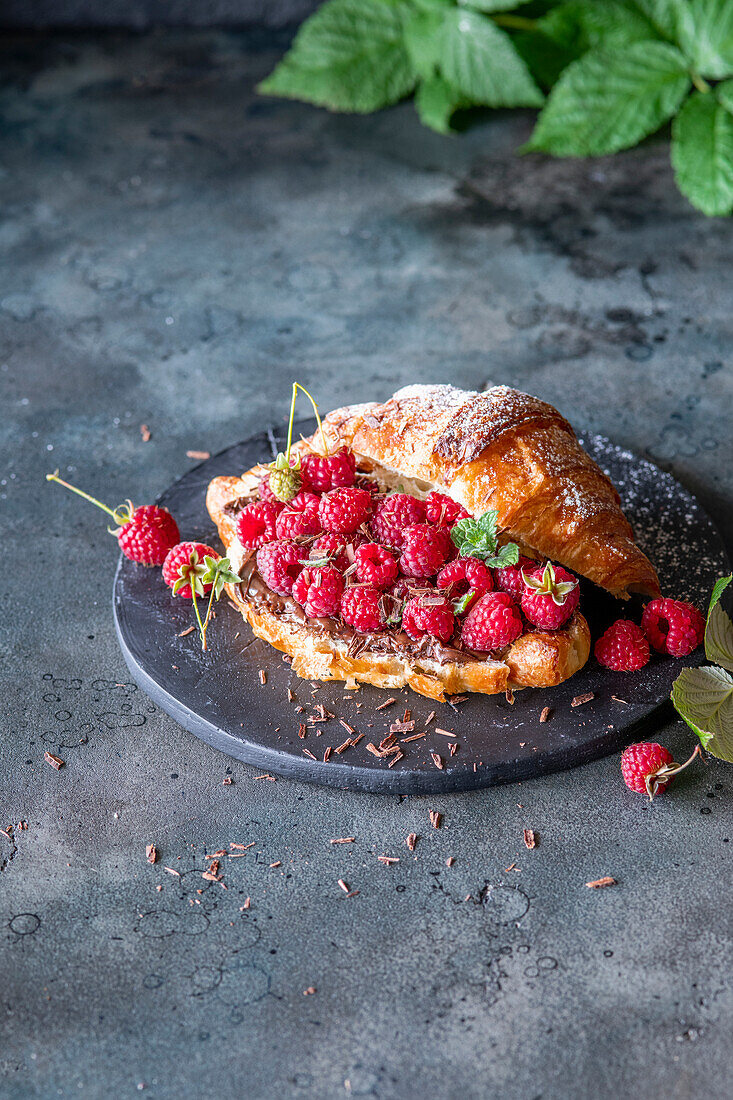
pixel 176 251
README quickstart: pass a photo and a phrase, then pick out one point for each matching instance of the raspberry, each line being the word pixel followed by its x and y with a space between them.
pixel 332 547
pixel 325 472
pixel 465 575
pixel 443 511
pixel 509 578
pixel 299 517
pixel 363 481
pixel 623 647
pixel 341 511
pixel 148 535
pixel 429 614
pixel 186 560
pixel 673 626
pixel 492 623
pixel 649 768
pixel 393 515
pixel 144 534
pixel 256 523
pixel 279 565
pixel 424 550
pixel 319 591
pixel 550 596
pixel 375 565
pixel 361 607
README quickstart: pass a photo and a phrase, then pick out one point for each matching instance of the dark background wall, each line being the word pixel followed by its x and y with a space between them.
pixel 140 14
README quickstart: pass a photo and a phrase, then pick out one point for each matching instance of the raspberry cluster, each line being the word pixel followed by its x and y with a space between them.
pixel 341 547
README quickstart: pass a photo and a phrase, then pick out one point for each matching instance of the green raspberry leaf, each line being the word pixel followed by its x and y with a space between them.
pixel 702 154
pixel 478 59
pixel 664 15
pixel 724 94
pixel 422 40
pixel 436 101
pixel 705 34
pixel 349 56
pixel 580 25
pixel 611 99
pixel 719 629
pixel 704 698
pixel 488 5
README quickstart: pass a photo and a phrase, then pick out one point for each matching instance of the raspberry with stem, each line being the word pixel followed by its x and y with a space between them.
pixel 286 479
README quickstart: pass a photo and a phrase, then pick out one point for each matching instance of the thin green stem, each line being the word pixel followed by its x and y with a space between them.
pixel 298 386
pixel 202 627
pixel 208 614
pixel 79 492
pixel 701 84
pixel 515 22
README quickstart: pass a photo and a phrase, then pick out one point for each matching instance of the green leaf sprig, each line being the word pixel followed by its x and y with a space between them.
pixel 704 696
pixel 478 538
pixel 615 70
pixel 211 571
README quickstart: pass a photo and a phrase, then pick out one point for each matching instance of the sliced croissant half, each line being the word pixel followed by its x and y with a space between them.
pixel 505 450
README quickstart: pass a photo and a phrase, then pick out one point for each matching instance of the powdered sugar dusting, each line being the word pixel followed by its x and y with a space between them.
pixel 669 524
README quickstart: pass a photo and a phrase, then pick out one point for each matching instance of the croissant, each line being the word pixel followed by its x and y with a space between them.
pixel 508 451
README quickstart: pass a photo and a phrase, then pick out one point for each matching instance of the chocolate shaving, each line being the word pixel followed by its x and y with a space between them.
pixel 151 853
pixel 429 718
pixel 227 781
pixel 342 748
pixel 411 841
pixel 580 699
pixel 272 778
pixel 386 703
pixel 546 712
pixel 399 755
pixel 347 727
pixel 343 840
pixel 172 871
pixel 309 991
pixel 200 455
pixel 617 700
pixel 444 733
pixel 302 730
pixel 263 676
pixel 453 748
pixel 597 883
pixel 414 737
pixel 436 819
pixel 402 727
pixel 450 861
pixel 343 886
pixel 145 433
pixel 530 839
pixel 307 752
pixel 327 755
pixel 188 630
pixel 55 761
pixel 387 860
pixel 242 847
pixel 438 760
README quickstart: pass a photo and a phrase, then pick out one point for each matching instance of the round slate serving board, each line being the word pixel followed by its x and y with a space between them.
pixel 218 695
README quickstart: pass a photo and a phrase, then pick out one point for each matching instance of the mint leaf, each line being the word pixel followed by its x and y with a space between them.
pixel 705 35
pixel 611 99
pixel 582 24
pixel 702 154
pixel 704 698
pixel 478 59
pixel 719 629
pixel 436 101
pixel 476 537
pixel 508 554
pixel 349 56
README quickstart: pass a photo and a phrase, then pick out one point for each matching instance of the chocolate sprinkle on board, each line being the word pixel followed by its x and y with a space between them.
pixel 386 703
pixel 437 760
pixel 188 630
pixel 436 819
pixel 343 840
pixel 55 761
pixel 546 712
pixel 151 853
pixel 579 700
pixel 598 883
pixel 411 841
pixel 263 676
pixel 530 839
pixel 200 455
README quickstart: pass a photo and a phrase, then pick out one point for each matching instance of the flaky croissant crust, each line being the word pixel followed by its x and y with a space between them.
pixel 504 450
